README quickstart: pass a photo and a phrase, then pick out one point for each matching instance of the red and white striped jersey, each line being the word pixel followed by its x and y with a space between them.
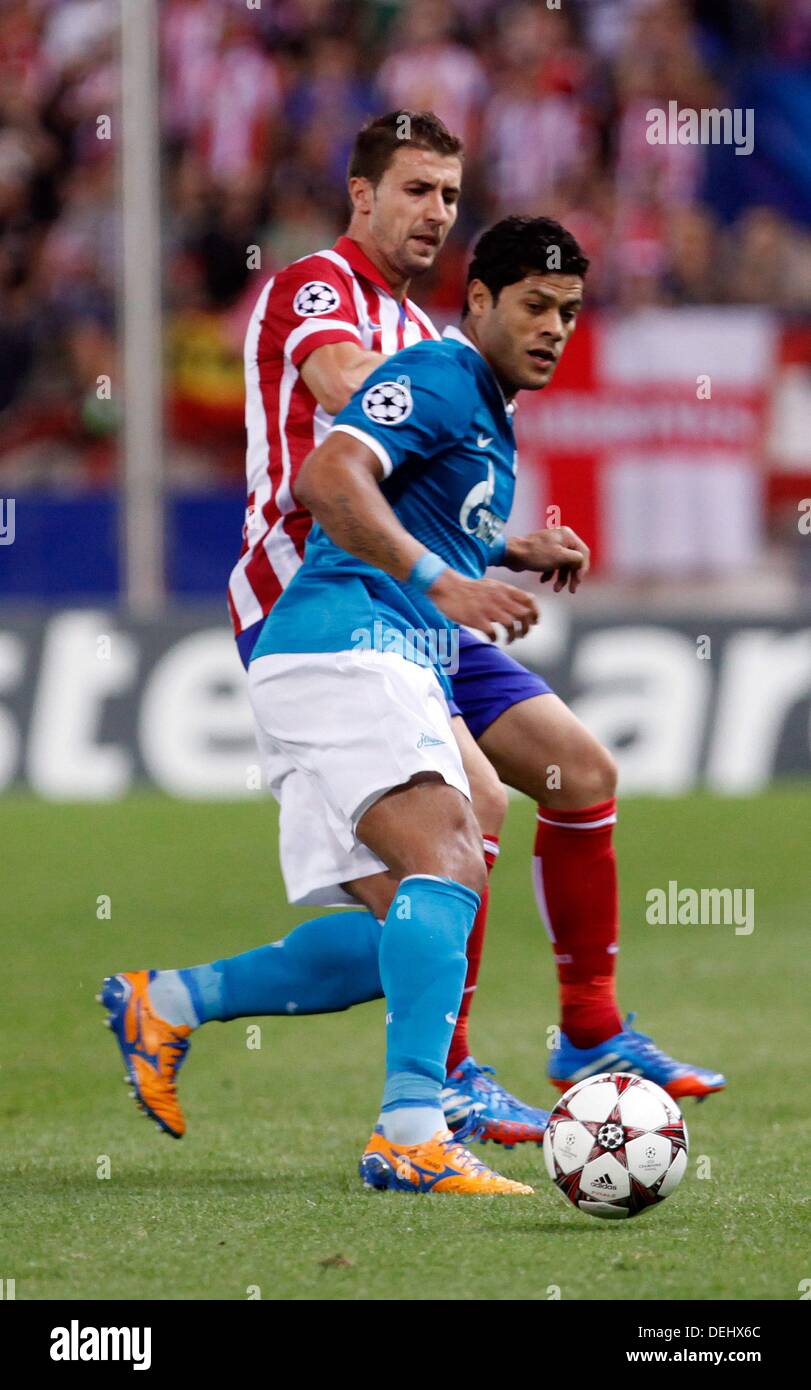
pixel 333 296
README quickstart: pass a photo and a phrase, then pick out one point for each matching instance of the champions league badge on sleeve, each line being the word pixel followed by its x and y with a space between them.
pixel 314 298
pixel 388 402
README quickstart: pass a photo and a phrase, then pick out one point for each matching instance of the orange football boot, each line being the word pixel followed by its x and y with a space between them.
pixel 442 1164
pixel 153 1050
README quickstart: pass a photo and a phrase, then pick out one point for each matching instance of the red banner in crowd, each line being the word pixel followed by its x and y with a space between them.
pixel 651 437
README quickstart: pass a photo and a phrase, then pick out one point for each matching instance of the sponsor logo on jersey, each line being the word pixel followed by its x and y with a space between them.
pixel 475 516
pixel 388 402
pixel 314 298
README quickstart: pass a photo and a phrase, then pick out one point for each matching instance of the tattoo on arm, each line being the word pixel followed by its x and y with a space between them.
pixel 339 518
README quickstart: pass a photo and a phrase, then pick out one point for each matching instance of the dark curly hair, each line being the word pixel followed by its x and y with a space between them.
pixel 517 246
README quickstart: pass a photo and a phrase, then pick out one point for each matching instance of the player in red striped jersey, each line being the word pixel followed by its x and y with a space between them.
pixel 319 328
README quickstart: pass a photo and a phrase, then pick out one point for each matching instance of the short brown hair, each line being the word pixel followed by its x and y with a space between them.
pixel 379 140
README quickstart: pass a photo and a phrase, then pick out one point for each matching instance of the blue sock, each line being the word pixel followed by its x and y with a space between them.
pixel 423 966
pixel 321 967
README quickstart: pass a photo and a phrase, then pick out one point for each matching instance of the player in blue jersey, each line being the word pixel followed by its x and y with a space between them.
pixel 349 682
pixel 332 963
pixel 532 739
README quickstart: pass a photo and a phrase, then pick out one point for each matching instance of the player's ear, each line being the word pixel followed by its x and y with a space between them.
pixel 479 298
pixel 361 194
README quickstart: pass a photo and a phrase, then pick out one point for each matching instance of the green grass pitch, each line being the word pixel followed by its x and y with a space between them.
pixel 263 1194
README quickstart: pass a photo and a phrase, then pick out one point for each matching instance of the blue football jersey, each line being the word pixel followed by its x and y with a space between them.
pixel 437 419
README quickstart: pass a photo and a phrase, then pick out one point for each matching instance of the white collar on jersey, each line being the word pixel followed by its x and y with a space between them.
pixel 458 336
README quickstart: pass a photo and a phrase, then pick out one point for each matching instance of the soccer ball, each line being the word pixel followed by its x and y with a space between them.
pixel 616 1145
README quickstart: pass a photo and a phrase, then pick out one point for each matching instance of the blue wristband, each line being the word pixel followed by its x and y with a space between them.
pixel 427 569
pixel 497 550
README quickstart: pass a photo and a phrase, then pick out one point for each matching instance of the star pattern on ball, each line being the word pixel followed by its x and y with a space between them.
pixel 604 1136
pixel 609 1135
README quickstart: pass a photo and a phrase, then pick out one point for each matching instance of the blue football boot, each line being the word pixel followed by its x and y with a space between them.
pixel 471 1092
pixel 632 1052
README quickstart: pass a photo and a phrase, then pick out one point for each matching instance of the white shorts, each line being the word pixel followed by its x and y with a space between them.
pixel 336 731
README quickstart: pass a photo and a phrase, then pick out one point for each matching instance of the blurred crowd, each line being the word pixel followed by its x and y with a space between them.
pixel 260 102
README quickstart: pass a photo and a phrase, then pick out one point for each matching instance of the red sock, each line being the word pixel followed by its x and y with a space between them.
pixel 575 874
pixel 459 1048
